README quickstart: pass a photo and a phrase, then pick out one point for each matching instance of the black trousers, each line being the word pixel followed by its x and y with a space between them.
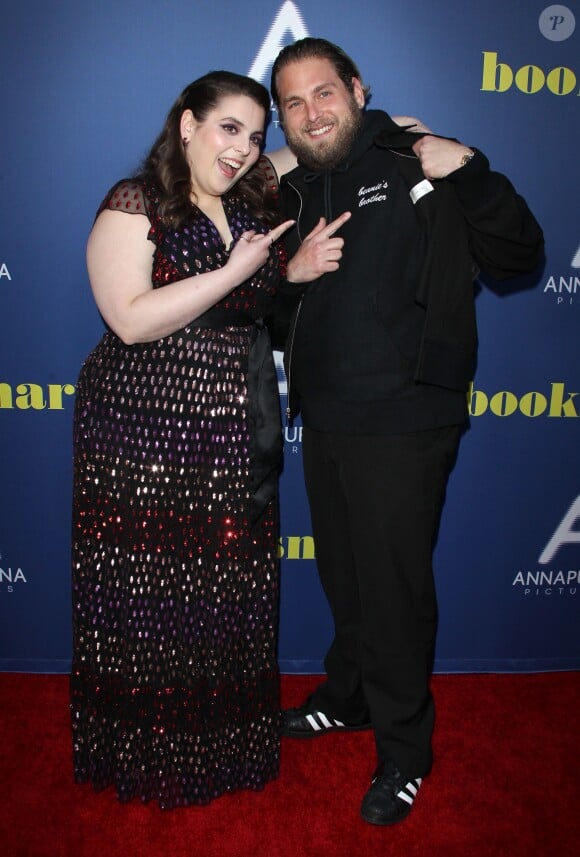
pixel 376 504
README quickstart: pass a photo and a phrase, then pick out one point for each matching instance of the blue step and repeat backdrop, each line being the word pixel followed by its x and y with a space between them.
pixel 85 89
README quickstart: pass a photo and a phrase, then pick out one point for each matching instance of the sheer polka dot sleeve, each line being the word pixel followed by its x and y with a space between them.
pixel 126 196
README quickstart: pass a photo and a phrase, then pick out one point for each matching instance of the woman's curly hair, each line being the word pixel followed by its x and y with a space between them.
pixel 166 164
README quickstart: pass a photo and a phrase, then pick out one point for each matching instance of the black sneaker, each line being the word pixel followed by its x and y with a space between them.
pixel 390 797
pixel 308 722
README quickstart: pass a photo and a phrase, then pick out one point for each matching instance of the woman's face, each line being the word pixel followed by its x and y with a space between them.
pixel 222 148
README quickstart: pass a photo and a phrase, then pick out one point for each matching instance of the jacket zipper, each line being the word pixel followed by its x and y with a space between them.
pixel 293 331
pixel 327 198
pixel 290 350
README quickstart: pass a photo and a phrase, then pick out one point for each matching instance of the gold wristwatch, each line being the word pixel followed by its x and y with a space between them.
pixel 467 157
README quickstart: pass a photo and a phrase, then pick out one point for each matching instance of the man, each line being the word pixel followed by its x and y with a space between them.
pixel 379 357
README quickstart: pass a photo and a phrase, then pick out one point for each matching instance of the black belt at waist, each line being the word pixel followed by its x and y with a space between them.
pixel 263 404
pixel 222 317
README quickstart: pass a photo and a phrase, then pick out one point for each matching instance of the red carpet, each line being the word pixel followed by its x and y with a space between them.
pixel 505 782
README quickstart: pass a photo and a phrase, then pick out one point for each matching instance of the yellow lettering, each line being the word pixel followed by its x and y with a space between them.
pixel 561 81
pixel 6 396
pixel 300 547
pixel 296 547
pixel 530 79
pixel 35 397
pixel 476 402
pixel 30 396
pixel 561 403
pixel 533 404
pixel 55 393
pixel 492 81
pixel 503 404
pixel 559 407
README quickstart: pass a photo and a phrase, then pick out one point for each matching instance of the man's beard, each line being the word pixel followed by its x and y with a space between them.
pixel 321 156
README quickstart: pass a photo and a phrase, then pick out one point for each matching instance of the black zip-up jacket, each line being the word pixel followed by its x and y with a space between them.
pixel 388 342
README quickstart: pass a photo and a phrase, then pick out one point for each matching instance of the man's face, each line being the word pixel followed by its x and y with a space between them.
pixel 321 117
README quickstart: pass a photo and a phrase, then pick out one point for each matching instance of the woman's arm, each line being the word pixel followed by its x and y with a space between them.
pixel 283 160
pixel 120 262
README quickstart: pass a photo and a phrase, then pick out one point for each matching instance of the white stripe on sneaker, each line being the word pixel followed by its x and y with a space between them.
pixel 409 792
pixel 313 722
pixel 319 721
pixel 324 720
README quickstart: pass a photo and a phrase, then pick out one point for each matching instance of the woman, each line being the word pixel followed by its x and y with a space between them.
pixel 174 686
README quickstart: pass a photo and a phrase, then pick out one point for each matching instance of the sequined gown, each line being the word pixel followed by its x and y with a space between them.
pixel 174 685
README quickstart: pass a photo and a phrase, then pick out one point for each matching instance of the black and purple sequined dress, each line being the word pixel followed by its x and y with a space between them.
pixel 174 685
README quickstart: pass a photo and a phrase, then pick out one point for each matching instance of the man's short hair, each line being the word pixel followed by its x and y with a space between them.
pixel 311 48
